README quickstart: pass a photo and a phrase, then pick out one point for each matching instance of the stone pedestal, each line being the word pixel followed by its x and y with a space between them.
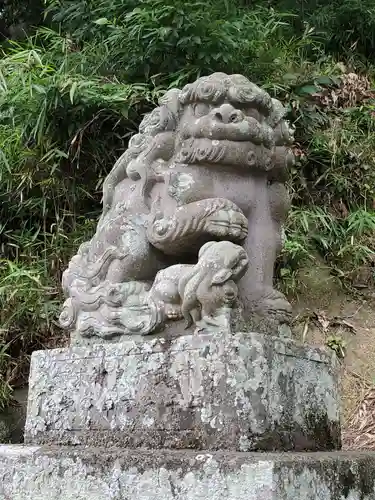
pixel 59 473
pixel 178 419
pixel 210 391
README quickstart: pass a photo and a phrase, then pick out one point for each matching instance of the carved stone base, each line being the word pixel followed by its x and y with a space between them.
pixel 59 473
pixel 208 391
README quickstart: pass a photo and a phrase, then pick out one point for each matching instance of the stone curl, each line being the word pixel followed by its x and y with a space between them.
pixel 160 134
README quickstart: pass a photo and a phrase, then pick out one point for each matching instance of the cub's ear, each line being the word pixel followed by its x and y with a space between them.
pixel 221 277
pixel 206 247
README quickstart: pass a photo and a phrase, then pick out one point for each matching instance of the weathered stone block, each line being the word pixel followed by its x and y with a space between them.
pixel 59 473
pixel 242 392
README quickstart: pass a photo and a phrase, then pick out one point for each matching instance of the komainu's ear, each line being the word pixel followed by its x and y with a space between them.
pixel 221 277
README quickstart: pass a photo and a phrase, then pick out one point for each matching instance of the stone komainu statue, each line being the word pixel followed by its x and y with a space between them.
pixel 203 179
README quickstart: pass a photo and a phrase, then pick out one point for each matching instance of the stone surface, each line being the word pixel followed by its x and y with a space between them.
pixel 60 473
pixel 208 164
pixel 241 392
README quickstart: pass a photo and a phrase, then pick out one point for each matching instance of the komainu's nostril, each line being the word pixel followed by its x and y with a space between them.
pixel 219 116
pixel 236 116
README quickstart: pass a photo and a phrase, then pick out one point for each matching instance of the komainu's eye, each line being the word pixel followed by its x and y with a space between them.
pixel 201 109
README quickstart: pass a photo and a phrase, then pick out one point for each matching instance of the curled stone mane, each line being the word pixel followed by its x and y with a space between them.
pixel 155 141
pixel 158 137
pixel 236 88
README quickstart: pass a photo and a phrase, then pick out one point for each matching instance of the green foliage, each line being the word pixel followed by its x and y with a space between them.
pixel 339 240
pixel 347 26
pixel 337 344
pixel 341 157
pixel 332 183
pixel 171 42
pixel 18 17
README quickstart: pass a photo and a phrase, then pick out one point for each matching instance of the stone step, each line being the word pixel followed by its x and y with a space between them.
pixel 83 473
pixel 212 391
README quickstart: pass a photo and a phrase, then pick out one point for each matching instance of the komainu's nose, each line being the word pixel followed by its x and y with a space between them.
pixel 226 113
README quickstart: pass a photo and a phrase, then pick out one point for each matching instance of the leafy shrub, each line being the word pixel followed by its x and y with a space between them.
pixel 333 182
pixel 346 26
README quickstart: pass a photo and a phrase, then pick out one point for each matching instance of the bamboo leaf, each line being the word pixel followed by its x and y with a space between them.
pixel 73 89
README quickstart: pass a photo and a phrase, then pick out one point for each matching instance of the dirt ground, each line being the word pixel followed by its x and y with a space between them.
pixel 323 310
